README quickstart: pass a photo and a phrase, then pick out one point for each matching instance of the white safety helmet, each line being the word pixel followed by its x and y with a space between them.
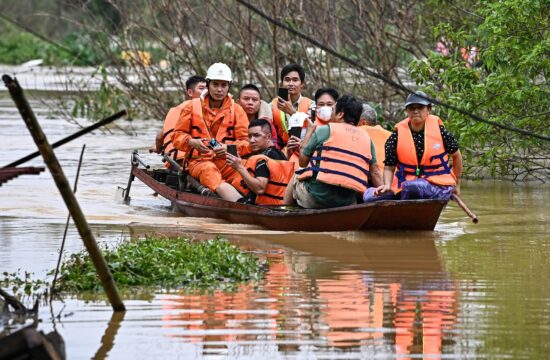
pixel 219 71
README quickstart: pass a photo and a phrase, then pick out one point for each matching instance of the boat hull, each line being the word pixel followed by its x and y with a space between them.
pixel 382 215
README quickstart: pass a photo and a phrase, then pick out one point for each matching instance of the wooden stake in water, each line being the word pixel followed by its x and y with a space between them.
pixel 64 187
pixel 52 290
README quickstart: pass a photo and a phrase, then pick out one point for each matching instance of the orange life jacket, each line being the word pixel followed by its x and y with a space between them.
pixel 167 129
pixel 200 130
pixel 280 174
pixel 434 165
pixel 343 159
pixel 279 117
pixel 379 136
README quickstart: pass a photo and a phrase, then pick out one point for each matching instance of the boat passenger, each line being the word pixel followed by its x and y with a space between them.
pixel 377 133
pixel 251 101
pixel 265 175
pixel 325 102
pixel 292 78
pixel 206 127
pixel 336 159
pixel 419 149
pixel 194 86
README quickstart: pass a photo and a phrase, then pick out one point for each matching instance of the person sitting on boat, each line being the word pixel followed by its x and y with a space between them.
pixel 337 159
pixel 194 86
pixel 292 78
pixel 251 101
pixel 377 133
pixel 419 148
pixel 204 129
pixel 265 175
pixel 325 102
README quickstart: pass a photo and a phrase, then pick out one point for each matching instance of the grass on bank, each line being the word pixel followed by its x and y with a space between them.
pixel 166 263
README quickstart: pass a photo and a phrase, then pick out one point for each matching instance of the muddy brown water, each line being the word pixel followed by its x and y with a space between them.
pixel 462 291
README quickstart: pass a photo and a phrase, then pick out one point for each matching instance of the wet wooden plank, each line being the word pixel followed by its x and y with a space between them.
pixel 9 173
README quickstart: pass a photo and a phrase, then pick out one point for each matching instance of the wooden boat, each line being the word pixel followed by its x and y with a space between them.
pixel 382 215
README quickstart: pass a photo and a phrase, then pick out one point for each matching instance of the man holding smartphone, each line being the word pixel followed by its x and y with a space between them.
pixel 289 102
pixel 265 175
pixel 206 127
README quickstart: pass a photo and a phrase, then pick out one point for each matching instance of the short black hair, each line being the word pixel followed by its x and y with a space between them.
pixel 293 67
pixel 263 123
pixel 193 81
pixel 326 90
pixel 249 87
pixel 351 108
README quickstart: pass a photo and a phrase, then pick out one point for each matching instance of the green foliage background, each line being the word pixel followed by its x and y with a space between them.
pixel 509 86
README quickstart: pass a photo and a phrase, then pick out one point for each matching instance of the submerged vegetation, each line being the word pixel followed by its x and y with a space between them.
pixel 166 263
pixel 23 285
pixel 141 266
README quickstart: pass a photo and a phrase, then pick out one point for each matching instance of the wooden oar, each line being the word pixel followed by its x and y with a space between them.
pixel 71 137
pixel 465 207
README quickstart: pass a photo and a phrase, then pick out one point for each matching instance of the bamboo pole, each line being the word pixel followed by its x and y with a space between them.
pixel 465 207
pixel 62 183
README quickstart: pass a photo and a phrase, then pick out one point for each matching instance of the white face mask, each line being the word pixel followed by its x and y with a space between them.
pixel 324 113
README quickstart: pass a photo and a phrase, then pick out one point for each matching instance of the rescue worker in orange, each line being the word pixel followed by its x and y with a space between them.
pixel 419 149
pixel 265 175
pixel 251 101
pixel 204 129
pixel 292 78
pixel 194 86
pixel 337 161
pixel 377 133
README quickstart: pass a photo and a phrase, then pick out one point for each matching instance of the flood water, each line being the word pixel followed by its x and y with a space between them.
pixel 462 291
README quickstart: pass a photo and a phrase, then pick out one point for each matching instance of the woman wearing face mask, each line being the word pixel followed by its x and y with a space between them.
pixel 325 100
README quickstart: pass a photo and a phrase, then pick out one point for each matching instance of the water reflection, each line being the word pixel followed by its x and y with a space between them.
pixel 380 294
pixel 108 338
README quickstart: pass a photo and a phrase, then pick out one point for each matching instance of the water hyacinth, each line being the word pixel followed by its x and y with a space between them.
pixel 164 262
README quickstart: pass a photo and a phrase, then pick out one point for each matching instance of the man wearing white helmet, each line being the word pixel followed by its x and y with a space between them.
pixel 205 128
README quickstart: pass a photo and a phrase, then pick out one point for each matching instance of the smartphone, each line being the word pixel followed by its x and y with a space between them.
pixel 295 131
pixel 232 149
pixel 283 93
pixel 313 114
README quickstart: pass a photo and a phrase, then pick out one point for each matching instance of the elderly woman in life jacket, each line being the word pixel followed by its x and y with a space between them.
pixel 417 157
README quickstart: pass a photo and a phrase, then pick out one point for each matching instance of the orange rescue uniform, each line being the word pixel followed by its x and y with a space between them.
pixel 228 125
pixel 167 130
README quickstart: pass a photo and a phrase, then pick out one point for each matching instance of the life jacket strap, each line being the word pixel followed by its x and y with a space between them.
pixel 338 161
pixel 335 172
pixel 348 152
pixel 422 171
pixel 167 133
pixel 272 196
